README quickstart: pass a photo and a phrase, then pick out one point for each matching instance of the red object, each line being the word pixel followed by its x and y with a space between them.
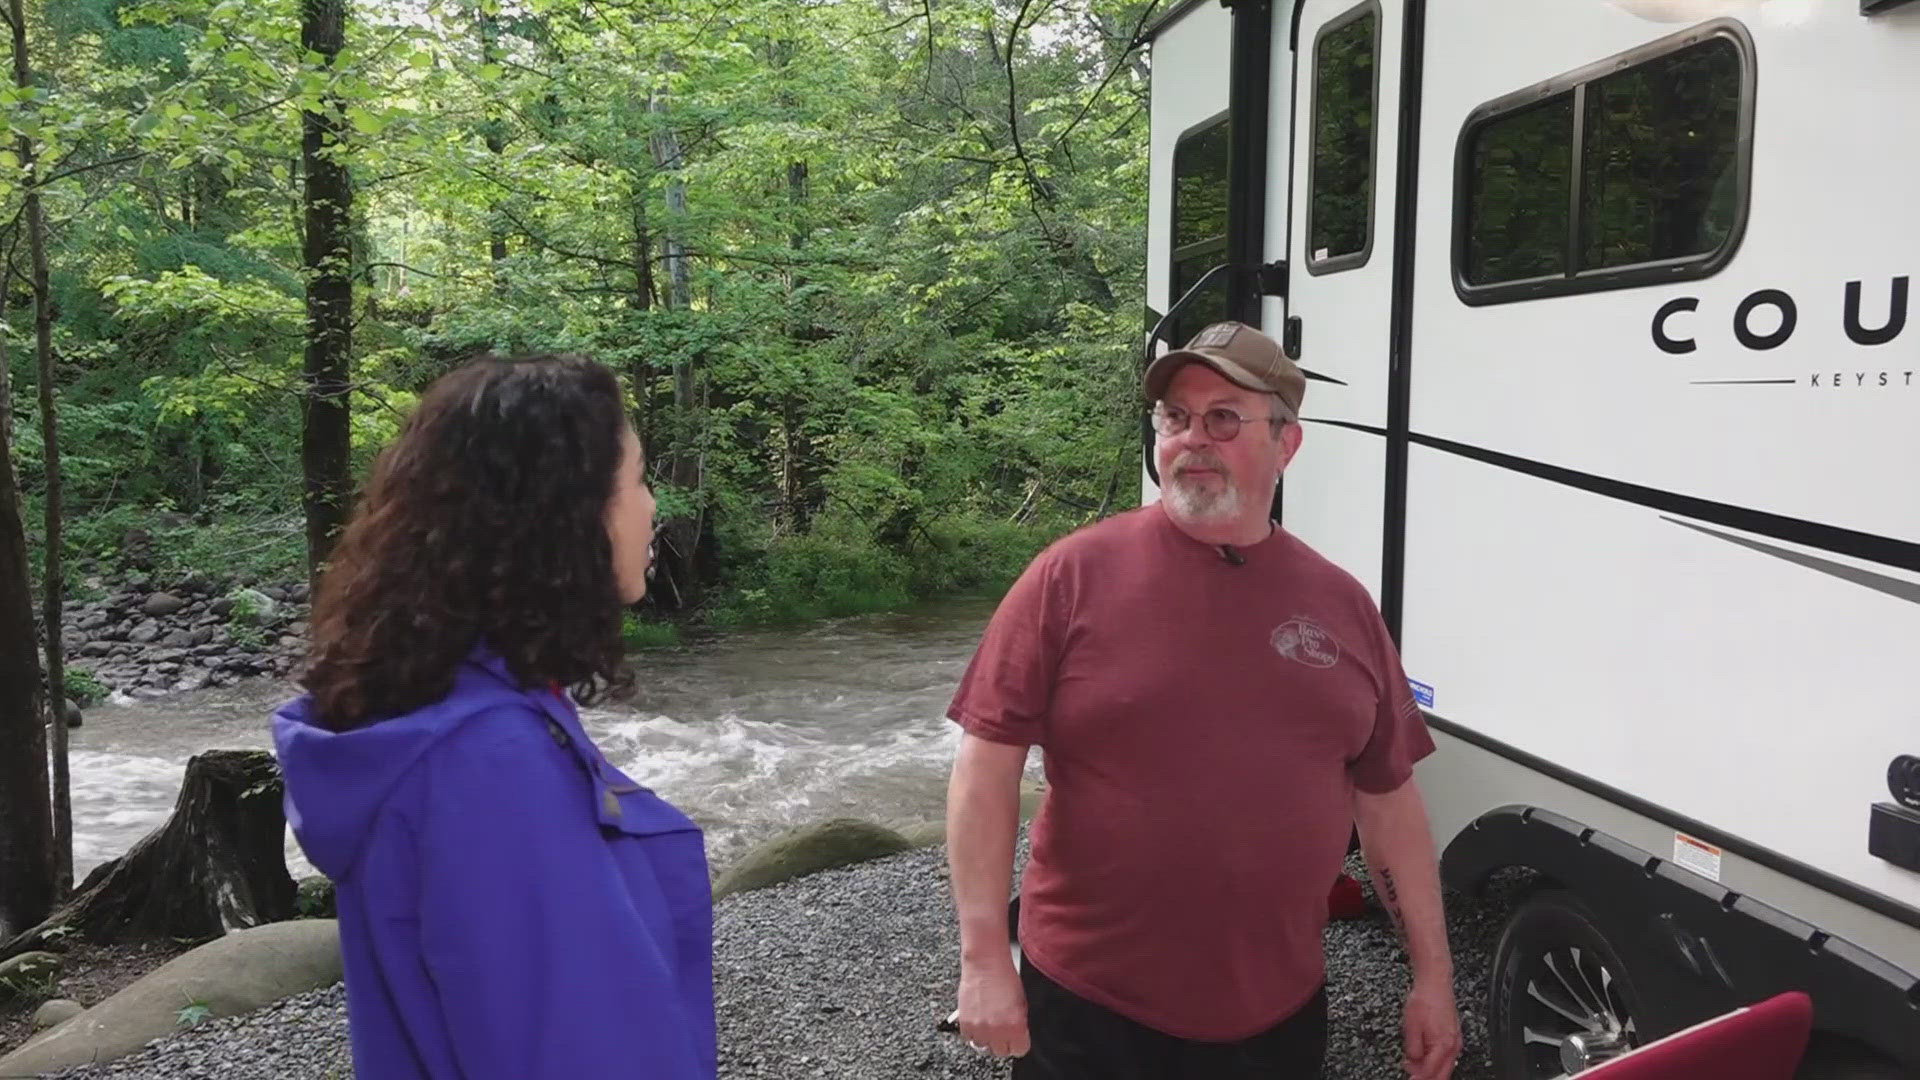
pixel 1760 1042
pixel 1205 723
pixel 1347 901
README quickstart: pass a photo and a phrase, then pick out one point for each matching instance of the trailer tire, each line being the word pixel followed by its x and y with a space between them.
pixel 1839 1059
pixel 1554 948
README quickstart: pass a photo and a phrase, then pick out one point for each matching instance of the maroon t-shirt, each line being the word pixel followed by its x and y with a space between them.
pixel 1203 726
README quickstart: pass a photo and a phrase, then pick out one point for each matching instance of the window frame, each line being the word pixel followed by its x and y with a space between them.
pixel 1352 260
pixel 1176 253
pixel 1575 281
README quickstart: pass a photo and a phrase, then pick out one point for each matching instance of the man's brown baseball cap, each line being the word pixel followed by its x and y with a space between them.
pixel 1241 354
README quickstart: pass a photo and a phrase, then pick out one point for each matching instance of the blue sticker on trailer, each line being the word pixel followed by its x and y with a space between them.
pixel 1422 693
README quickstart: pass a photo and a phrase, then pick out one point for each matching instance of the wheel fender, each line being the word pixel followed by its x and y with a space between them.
pixel 1696 948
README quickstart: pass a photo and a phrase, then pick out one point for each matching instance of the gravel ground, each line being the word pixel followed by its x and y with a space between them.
pixel 844 975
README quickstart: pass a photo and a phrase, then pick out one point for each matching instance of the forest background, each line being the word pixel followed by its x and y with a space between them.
pixel 872 271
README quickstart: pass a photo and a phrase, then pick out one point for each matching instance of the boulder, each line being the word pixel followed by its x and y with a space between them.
pixel 145 634
pixel 261 606
pixel 925 833
pixel 56 1012
pixel 840 842
pixel 160 605
pixel 238 973
pixel 30 973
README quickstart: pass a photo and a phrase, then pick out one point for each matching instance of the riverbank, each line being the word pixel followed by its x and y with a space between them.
pixel 844 974
pixel 143 638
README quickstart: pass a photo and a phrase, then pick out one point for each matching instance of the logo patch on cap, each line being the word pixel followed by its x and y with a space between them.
pixel 1217 336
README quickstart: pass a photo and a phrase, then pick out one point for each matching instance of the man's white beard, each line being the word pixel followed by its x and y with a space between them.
pixel 1202 502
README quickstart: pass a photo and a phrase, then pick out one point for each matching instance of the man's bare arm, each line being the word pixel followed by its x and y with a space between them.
pixel 1406 876
pixel 983 818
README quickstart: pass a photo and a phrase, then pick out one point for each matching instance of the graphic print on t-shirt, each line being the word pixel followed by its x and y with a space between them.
pixel 1303 641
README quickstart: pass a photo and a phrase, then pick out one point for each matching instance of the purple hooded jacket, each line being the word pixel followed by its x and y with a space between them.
pixel 511 905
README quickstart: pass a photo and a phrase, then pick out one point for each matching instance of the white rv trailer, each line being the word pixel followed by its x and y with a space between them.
pixel 1615 407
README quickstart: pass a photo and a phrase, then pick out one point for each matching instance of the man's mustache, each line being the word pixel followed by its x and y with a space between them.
pixel 1194 459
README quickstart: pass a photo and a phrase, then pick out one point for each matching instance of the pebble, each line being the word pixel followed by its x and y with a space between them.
pixel 845 975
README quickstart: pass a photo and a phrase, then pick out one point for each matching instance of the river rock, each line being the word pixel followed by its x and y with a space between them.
pixel 840 842
pixel 145 634
pixel 264 606
pixel 56 1012
pixel 925 833
pixel 222 607
pixel 237 973
pixel 28 973
pixel 162 604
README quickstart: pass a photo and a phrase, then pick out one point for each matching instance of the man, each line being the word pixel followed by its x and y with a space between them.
pixel 1217 707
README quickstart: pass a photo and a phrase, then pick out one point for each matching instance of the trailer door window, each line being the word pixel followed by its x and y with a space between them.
pixel 1345 103
pixel 1630 171
pixel 1199 226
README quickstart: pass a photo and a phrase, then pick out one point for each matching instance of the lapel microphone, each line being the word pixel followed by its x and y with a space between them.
pixel 1232 556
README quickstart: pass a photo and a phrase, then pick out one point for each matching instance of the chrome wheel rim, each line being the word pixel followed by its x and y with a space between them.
pixel 1573 1015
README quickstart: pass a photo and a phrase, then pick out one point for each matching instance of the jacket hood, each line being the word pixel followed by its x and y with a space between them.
pixel 337 781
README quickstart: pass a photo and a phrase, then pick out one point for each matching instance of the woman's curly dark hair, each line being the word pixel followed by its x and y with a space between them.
pixel 485 521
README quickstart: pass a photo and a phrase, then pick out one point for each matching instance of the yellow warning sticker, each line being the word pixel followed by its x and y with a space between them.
pixel 1697 855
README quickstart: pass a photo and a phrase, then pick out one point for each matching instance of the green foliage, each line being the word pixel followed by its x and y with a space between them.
pixel 639 633
pixel 873 281
pixel 83 687
pixel 194 1012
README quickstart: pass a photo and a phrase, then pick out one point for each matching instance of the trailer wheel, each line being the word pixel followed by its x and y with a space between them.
pixel 1560 999
pixel 1834 1059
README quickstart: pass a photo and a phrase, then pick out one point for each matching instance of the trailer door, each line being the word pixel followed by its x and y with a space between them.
pixel 1340 254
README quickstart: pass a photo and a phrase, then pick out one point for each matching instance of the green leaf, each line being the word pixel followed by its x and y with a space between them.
pixel 365 122
pixel 421 59
pixel 491 72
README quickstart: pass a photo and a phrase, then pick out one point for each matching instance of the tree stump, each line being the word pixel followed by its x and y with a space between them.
pixel 218 864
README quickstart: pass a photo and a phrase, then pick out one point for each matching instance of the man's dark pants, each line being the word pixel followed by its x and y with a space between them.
pixel 1074 1039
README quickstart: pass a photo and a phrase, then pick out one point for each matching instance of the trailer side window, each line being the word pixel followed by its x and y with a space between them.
pixel 1199 225
pixel 1345 104
pixel 1631 171
pixel 1658 167
pixel 1521 199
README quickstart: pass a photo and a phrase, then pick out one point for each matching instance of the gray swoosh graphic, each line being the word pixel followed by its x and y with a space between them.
pixel 1894 587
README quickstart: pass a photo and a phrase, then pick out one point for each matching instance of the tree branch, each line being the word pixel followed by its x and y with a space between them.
pixel 78 169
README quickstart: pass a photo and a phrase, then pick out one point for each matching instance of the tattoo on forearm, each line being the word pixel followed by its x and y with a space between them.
pixel 1390 896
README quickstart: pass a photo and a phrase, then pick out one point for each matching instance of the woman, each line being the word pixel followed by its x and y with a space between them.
pixel 510 904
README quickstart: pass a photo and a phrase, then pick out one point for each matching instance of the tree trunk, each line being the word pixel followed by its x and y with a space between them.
pixel 496 138
pixel 326 437
pixel 218 864
pixel 26 813
pixel 642 252
pixel 53 578
pixel 681 535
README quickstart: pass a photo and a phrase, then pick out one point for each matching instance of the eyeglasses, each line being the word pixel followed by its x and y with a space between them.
pixel 1220 424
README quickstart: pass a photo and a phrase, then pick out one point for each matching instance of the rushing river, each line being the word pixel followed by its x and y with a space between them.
pixel 749 733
